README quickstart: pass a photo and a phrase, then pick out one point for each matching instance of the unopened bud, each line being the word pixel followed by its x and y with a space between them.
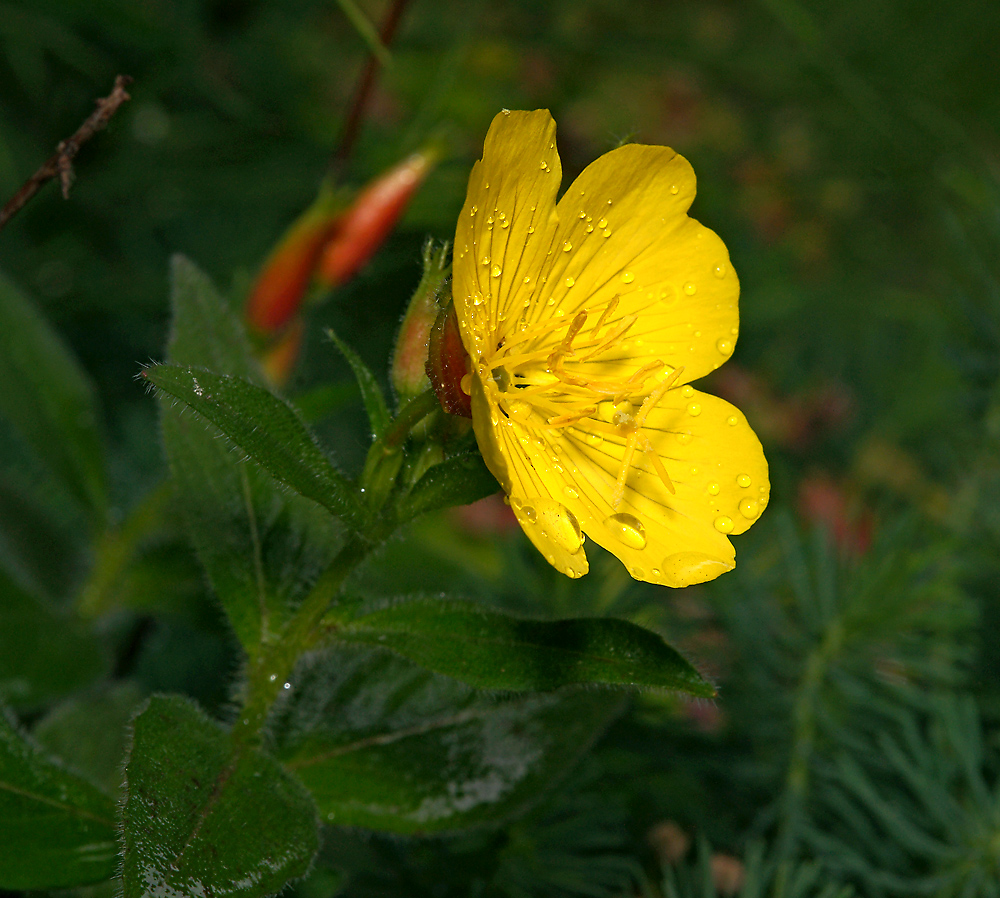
pixel 371 217
pixel 448 365
pixel 409 360
pixel 280 288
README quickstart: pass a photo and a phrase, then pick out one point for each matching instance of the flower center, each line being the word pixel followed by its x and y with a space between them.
pixel 534 384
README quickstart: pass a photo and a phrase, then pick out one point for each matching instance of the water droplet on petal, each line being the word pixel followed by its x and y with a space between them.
pixel 607 232
pixel 714 489
pixel 570 282
pixel 694 409
pixel 719 271
pixel 724 524
pixel 628 529
pixel 529 513
pixel 518 410
pixel 743 480
pixel 466 384
pixel 567 246
pixel 749 508
pixel 674 189
pixel 690 289
pixel 570 493
pixel 589 229
pixel 724 346
pixel 732 420
pixel 486 260
pixel 562 524
pixel 627 277
pixel 603 223
pixel 687 568
pixel 496 271
pixel 684 438
pixel 687 391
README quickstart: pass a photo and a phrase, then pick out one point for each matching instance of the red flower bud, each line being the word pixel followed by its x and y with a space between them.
pixel 370 218
pixel 448 365
pixel 280 288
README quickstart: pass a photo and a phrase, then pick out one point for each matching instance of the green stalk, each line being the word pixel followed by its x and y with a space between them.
pixel 272 665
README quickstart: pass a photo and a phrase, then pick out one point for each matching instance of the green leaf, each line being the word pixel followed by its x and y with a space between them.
pixel 43 654
pixel 56 829
pixel 199 821
pixel 489 650
pixel 385 745
pixel 267 429
pixel 90 731
pixel 37 545
pixel 458 480
pixel 371 392
pixel 48 400
pixel 206 333
pixel 261 545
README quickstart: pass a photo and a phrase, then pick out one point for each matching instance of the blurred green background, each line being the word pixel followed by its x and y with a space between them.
pixel 848 153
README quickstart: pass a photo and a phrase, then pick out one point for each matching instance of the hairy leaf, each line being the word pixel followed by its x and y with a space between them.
pixel 371 392
pixel 385 745
pixel 199 821
pixel 267 429
pixel 459 480
pixel 489 650
pixel 260 544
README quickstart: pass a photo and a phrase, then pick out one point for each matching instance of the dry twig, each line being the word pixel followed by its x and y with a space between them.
pixel 60 163
pixel 364 88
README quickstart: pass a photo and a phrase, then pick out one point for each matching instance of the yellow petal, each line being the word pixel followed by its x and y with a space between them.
pixel 550 525
pixel 509 210
pixel 713 459
pixel 626 220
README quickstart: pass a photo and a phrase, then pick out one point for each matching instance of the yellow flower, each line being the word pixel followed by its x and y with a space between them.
pixel 584 321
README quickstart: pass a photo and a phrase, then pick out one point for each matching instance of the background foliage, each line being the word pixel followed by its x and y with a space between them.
pixel 848 155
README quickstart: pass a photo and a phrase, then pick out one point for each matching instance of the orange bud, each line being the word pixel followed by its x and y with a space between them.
pixel 448 365
pixel 409 360
pixel 370 218
pixel 280 287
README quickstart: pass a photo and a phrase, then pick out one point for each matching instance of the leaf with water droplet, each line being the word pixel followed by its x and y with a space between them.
pixel 201 820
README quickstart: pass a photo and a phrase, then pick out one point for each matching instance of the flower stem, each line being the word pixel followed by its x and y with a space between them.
pixel 270 668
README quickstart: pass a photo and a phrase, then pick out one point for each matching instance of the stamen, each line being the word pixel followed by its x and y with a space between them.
pixel 633 384
pixel 564 420
pixel 605 315
pixel 654 460
pixel 612 338
pixel 566 347
pixel 619 493
pixel 656 395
